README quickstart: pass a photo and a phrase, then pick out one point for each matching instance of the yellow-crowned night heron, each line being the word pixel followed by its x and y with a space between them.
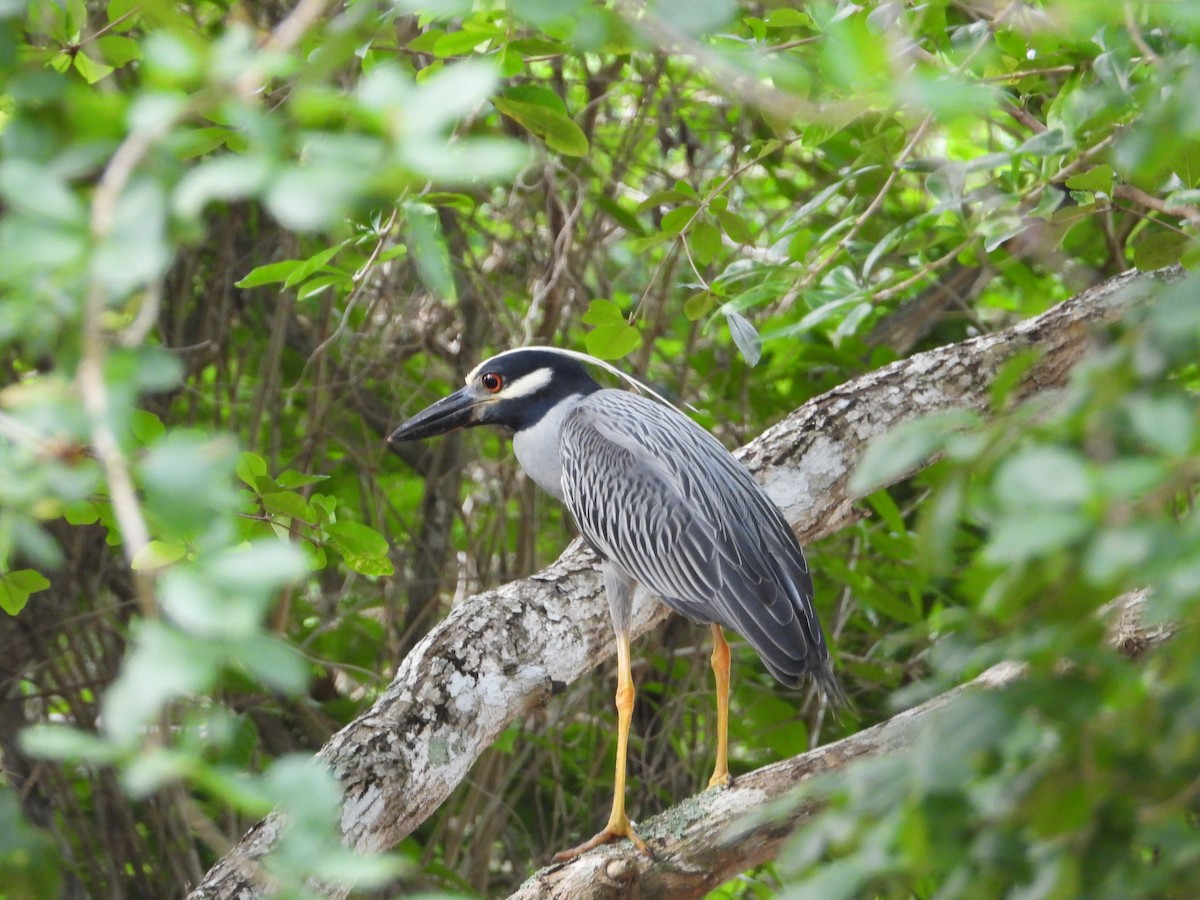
pixel 664 505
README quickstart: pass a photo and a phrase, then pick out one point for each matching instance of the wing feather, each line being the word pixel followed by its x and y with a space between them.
pixel 663 500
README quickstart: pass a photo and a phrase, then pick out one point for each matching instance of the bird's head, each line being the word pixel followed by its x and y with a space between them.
pixel 512 390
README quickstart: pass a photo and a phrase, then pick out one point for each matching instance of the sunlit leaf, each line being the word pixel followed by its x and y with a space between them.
pixel 555 128
pixel 612 340
pixel 157 554
pixel 16 586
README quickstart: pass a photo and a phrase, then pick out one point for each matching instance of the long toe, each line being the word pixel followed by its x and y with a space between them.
pixel 609 833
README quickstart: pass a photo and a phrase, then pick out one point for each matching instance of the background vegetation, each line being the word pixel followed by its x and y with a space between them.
pixel 240 241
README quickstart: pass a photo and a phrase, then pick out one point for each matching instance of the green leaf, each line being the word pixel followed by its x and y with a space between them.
pixel 620 215
pixel 251 467
pixel 1187 163
pixel 271 273
pixel 363 548
pixel 441 100
pixel 92 70
pixel 118 50
pixel 38 190
pixel 678 219
pixel 124 15
pixel 314 195
pixel 886 508
pixel 16 586
pixel 1042 477
pixel 65 743
pixel 1047 143
pixel 1160 249
pixel 705 242
pixel 146 426
pixel 785 17
pixel 136 250
pixel 1098 179
pixel 734 226
pixel 1031 535
pixel 745 337
pixel 891 606
pixel 199 606
pixel 162 664
pixel 906 448
pixel 82 513
pixel 310 266
pixel 698 305
pixel 1168 424
pixel 458 202
pixel 458 43
pixel 613 340
pixel 662 198
pixel 428 249
pixel 260 567
pixel 288 503
pixel 694 17
pixel 271 661
pixel 555 128
pixel 537 95
pixel 466 162
pixel 314 286
pixel 227 177
pixel 603 312
pixel 290 478
pixel 157 554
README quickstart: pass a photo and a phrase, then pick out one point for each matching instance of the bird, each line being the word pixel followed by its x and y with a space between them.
pixel 665 507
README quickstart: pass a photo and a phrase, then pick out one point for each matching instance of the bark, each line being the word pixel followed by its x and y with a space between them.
pixel 503 653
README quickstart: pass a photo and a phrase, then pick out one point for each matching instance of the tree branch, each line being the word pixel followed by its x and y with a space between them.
pixel 503 653
pixel 707 839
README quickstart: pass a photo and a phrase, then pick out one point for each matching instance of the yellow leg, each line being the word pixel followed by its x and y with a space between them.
pixel 618 825
pixel 720 666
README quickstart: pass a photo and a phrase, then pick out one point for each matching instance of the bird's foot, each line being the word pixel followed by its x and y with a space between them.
pixel 720 780
pixel 611 832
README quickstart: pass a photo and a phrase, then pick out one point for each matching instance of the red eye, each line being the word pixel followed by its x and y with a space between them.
pixel 492 382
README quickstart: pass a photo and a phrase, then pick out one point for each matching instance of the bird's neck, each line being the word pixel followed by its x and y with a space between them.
pixel 538 449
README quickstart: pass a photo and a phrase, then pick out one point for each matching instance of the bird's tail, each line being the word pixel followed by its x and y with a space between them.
pixel 829 686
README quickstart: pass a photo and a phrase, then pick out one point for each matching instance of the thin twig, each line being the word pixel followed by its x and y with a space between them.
pixel 1189 214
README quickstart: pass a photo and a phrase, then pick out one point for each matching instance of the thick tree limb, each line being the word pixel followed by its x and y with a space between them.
pixel 704 841
pixel 504 652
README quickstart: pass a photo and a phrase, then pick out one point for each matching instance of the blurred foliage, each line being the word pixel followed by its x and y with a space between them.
pixel 239 242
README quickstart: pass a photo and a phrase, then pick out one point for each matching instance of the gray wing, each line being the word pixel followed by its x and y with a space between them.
pixel 660 497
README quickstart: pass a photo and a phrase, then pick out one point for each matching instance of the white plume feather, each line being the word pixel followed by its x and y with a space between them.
pixel 636 383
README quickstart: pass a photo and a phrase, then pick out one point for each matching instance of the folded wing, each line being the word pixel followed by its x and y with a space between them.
pixel 663 500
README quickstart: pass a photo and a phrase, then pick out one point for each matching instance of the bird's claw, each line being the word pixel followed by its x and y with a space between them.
pixel 720 780
pixel 609 833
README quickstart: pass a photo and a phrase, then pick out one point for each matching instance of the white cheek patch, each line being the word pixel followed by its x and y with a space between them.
pixel 526 385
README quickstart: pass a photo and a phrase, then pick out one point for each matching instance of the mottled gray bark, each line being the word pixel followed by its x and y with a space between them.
pixel 502 653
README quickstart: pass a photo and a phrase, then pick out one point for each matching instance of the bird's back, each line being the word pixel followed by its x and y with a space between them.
pixel 660 497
